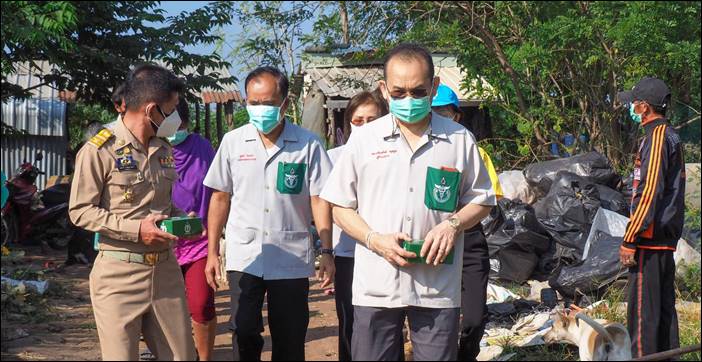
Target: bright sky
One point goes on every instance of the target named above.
(233, 31)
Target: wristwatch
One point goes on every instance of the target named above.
(454, 222)
(328, 252)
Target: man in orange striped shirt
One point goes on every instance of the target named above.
(657, 214)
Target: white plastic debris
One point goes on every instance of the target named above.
(531, 323)
(686, 254)
(514, 186)
(489, 353)
(498, 294)
(39, 287)
(607, 221)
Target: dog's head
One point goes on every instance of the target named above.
(564, 327)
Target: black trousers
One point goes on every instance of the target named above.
(288, 316)
(343, 282)
(652, 319)
(476, 268)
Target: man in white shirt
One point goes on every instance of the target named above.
(410, 175)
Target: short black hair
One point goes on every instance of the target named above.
(118, 94)
(443, 110)
(183, 110)
(409, 51)
(280, 77)
(661, 108)
(151, 83)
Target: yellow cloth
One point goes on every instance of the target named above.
(491, 170)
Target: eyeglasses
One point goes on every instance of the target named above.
(414, 93)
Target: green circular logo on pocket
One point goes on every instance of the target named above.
(442, 193)
(291, 179)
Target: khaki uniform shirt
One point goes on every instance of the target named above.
(117, 183)
(390, 186)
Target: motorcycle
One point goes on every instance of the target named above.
(31, 217)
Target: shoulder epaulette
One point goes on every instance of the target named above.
(101, 137)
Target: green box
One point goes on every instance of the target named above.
(415, 246)
(182, 226)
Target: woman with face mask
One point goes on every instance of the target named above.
(193, 155)
(363, 108)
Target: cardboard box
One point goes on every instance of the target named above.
(415, 246)
(182, 226)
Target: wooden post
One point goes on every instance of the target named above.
(219, 122)
(197, 117)
(207, 121)
(229, 115)
(331, 128)
(67, 135)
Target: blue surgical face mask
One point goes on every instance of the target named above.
(178, 137)
(264, 117)
(634, 116)
(411, 110)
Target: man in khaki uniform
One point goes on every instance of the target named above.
(121, 188)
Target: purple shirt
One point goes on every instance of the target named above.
(193, 158)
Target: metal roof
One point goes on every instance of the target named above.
(345, 82)
(30, 77)
(44, 113)
(337, 81)
(27, 77)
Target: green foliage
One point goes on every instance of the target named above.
(692, 152)
(689, 322)
(557, 66)
(689, 282)
(241, 117)
(30, 25)
(94, 43)
(81, 115)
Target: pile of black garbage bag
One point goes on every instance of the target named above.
(546, 240)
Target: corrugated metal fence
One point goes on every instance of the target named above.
(41, 119)
(19, 149)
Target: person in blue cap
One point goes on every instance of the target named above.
(476, 263)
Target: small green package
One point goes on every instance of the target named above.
(415, 246)
(182, 226)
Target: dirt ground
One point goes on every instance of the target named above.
(69, 333)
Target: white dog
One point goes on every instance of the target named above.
(597, 340)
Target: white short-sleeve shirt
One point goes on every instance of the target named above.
(344, 244)
(380, 176)
(267, 231)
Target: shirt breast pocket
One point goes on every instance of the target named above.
(441, 190)
(125, 190)
(164, 187)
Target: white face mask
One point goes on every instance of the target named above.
(354, 127)
(169, 126)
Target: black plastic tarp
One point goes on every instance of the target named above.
(518, 242)
(567, 213)
(599, 269)
(592, 165)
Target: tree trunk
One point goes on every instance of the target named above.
(493, 45)
(219, 123)
(207, 122)
(344, 17)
